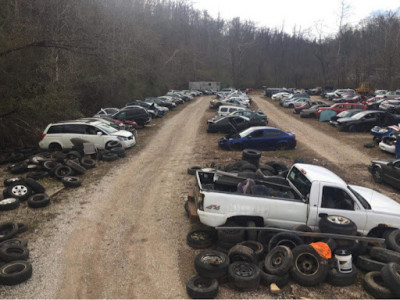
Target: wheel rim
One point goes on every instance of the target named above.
(19, 190)
(338, 220)
(212, 259)
(243, 270)
(199, 236)
(277, 259)
(307, 264)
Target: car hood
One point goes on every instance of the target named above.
(123, 133)
(379, 202)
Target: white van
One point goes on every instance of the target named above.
(225, 110)
(58, 136)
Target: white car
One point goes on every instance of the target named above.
(279, 96)
(388, 144)
(58, 136)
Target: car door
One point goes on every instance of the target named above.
(391, 174)
(72, 132)
(272, 138)
(91, 135)
(255, 140)
(334, 200)
(369, 121)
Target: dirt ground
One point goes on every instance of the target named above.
(123, 233)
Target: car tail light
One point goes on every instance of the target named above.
(389, 102)
(42, 136)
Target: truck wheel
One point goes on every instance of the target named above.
(15, 272)
(374, 286)
(391, 278)
(242, 253)
(338, 225)
(257, 247)
(201, 238)
(393, 240)
(244, 275)
(211, 264)
(384, 255)
(198, 287)
(368, 264)
(266, 279)
(309, 269)
(287, 239)
(279, 260)
(341, 279)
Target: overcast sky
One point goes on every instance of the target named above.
(302, 13)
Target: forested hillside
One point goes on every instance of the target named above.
(60, 59)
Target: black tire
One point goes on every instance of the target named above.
(50, 165)
(281, 146)
(14, 242)
(309, 269)
(18, 168)
(22, 227)
(55, 147)
(211, 264)
(201, 238)
(337, 224)
(73, 155)
(223, 246)
(88, 163)
(38, 200)
(304, 228)
(257, 247)
(71, 181)
(242, 253)
(368, 264)
(37, 175)
(266, 279)
(198, 287)
(377, 174)
(231, 235)
(279, 261)
(288, 239)
(108, 156)
(384, 255)
(391, 278)
(36, 186)
(9, 204)
(8, 230)
(112, 144)
(278, 166)
(267, 170)
(63, 171)
(10, 181)
(264, 237)
(341, 279)
(251, 235)
(76, 167)
(352, 128)
(12, 252)
(15, 272)
(244, 275)
(192, 170)
(393, 240)
(251, 154)
(186, 207)
(374, 286)
(21, 191)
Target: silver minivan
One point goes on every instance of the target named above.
(225, 110)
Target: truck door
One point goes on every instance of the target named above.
(336, 200)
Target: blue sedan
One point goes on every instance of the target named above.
(260, 138)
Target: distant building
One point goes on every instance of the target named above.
(204, 85)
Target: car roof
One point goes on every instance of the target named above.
(317, 173)
(254, 128)
(77, 121)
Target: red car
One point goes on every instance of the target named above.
(339, 107)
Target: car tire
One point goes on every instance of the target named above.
(112, 144)
(108, 156)
(88, 163)
(198, 287)
(391, 278)
(244, 275)
(15, 272)
(73, 155)
(281, 146)
(62, 171)
(76, 167)
(368, 264)
(21, 191)
(393, 240)
(14, 242)
(242, 253)
(373, 285)
(38, 200)
(266, 279)
(231, 235)
(201, 238)
(377, 174)
(18, 168)
(10, 181)
(36, 186)
(337, 224)
(10, 253)
(288, 239)
(211, 264)
(8, 230)
(337, 278)
(309, 269)
(279, 261)
(71, 181)
(384, 255)
(257, 247)
(9, 204)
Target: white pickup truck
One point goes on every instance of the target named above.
(307, 191)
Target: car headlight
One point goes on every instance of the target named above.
(122, 138)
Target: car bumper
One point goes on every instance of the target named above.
(211, 219)
(387, 148)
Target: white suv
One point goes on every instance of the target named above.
(58, 136)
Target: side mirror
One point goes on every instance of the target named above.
(99, 133)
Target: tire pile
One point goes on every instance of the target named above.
(14, 254)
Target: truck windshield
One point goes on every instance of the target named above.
(302, 184)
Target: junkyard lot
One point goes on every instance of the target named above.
(123, 234)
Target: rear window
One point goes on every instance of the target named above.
(67, 128)
(302, 184)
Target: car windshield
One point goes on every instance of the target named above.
(360, 198)
(359, 115)
(106, 128)
(302, 184)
